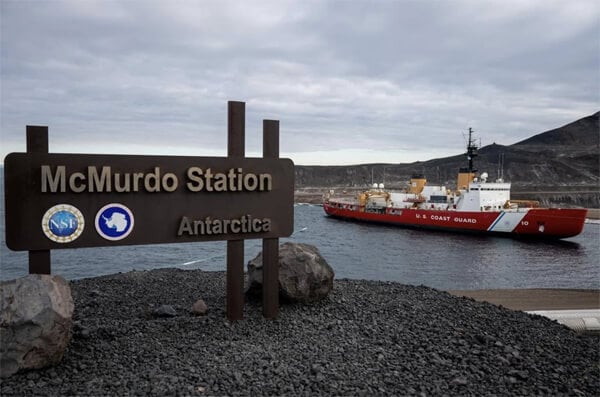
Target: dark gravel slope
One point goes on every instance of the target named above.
(367, 338)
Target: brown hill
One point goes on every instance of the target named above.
(557, 166)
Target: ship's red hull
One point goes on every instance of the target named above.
(544, 223)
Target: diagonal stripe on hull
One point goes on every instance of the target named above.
(507, 221)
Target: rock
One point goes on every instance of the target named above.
(460, 380)
(304, 275)
(164, 311)
(295, 355)
(199, 308)
(79, 331)
(523, 375)
(35, 322)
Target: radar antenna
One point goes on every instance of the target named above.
(471, 151)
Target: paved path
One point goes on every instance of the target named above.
(536, 299)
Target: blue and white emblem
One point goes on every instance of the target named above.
(114, 221)
(63, 223)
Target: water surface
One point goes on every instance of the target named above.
(362, 251)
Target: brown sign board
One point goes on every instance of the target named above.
(153, 199)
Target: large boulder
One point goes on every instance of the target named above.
(35, 322)
(304, 275)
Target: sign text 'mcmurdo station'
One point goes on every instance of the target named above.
(105, 179)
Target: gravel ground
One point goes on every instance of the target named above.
(367, 338)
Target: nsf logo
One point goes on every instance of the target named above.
(63, 223)
(114, 221)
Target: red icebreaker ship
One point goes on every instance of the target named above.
(477, 206)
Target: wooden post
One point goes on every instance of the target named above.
(236, 125)
(270, 245)
(37, 142)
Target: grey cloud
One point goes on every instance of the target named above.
(384, 76)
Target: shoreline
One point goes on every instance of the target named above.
(365, 338)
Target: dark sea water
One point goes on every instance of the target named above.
(362, 251)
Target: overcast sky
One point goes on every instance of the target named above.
(351, 82)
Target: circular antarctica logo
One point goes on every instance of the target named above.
(63, 223)
(114, 221)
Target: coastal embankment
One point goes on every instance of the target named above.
(365, 338)
(593, 213)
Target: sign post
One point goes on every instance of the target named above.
(270, 245)
(37, 142)
(58, 201)
(236, 134)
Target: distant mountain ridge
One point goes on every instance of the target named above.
(584, 131)
(561, 165)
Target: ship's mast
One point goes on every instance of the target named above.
(471, 151)
(467, 175)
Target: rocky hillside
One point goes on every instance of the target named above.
(560, 166)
